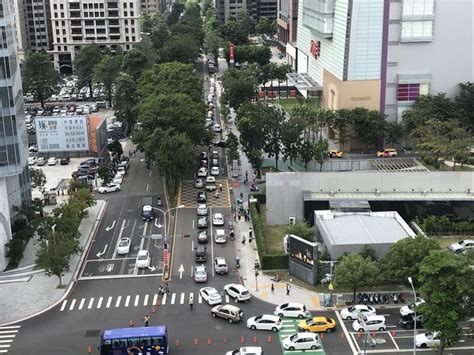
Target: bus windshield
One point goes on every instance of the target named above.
(149, 340)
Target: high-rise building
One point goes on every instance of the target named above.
(14, 173)
(108, 23)
(287, 23)
(152, 6)
(383, 54)
(255, 8)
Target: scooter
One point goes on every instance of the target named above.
(232, 234)
(237, 262)
(159, 200)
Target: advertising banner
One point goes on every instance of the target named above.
(62, 134)
(231, 53)
(302, 251)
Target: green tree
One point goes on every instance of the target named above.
(246, 22)
(368, 251)
(134, 63)
(86, 59)
(239, 86)
(125, 99)
(233, 32)
(264, 26)
(404, 258)
(176, 11)
(274, 119)
(355, 272)
(341, 125)
(291, 136)
(393, 132)
(181, 48)
(39, 76)
(306, 151)
(465, 103)
(38, 177)
(302, 230)
(320, 149)
(232, 147)
(446, 286)
(105, 72)
(368, 125)
(255, 54)
(104, 173)
(115, 148)
(212, 42)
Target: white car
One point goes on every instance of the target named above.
(215, 171)
(202, 172)
(462, 246)
(123, 247)
(118, 179)
(237, 292)
(217, 128)
(248, 350)
(202, 209)
(369, 324)
(295, 310)
(109, 188)
(219, 236)
(410, 309)
(353, 312)
(265, 322)
(143, 259)
(210, 295)
(32, 160)
(427, 340)
(52, 161)
(220, 266)
(218, 219)
(198, 184)
(200, 273)
(302, 341)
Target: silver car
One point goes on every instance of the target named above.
(200, 273)
(220, 266)
(202, 209)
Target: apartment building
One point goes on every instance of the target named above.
(152, 6)
(382, 54)
(108, 23)
(255, 8)
(14, 173)
(287, 25)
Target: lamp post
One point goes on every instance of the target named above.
(410, 280)
(164, 218)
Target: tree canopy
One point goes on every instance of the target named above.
(86, 59)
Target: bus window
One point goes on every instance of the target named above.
(116, 343)
(122, 343)
(133, 342)
(157, 340)
(145, 341)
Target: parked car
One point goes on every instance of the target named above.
(369, 323)
(218, 219)
(410, 309)
(123, 247)
(291, 309)
(200, 273)
(408, 321)
(210, 295)
(353, 312)
(220, 266)
(202, 237)
(210, 183)
(238, 292)
(265, 322)
(215, 171)
(302, 341)
(247, 350)
(333, 153)
(462, 246)
(227, 311)
(41, 161)
(317, 324)
(118, 179)
(427, 340)
(202, 209)
(217, 128)
(202, 172)
(52, 161)
(109, 188)
(32, 160)
(387, 153)
(143, 259)
(64, 161)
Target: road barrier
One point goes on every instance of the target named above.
(209, 341)
(269, 339)
(130, 323)
(178, 344)
(242, 340)
(196, 341)
(255, 340)
(89, 349)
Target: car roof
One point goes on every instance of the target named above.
(143, 252)
(210, 289)
(238, 286)
(292, 304)
(218, 214)
(200, 268)
(220, 258)
(230, 307)
(375, 317)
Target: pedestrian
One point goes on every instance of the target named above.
(191, 301)
(129, 153)
(250, 233)
(273, 288)
(220, 187)
(243, 239)
(216, 194)
(288, 288)
(238, 216)
(146, 319)
(167, 288)
(246, 175)
(160, 290)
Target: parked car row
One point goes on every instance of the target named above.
(51, 161)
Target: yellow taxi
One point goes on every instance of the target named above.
(317, 324)
(333, 153)
(387, 153)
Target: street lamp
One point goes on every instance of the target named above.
(164, 217)
(410, 280)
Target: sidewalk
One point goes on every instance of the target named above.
(27, 292)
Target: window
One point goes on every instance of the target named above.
(417, 21)
(411, 92)
(418, 8)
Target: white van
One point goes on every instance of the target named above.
(210, 183)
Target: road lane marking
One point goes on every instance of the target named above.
(91, 302)
(173, 297)
(200, 298)
(147, 187)
(81, 304)
(393, 340)
(137, 298)
(10, 327)
(63, 306)
(212, 239)
(109, 301)
(344, 329)
(163, 300)
(114, 255)
(181, 300)
(117, 303)
(72, 304)
(145, 301)
(155, 298)
(227, 298)
(6, 341)
(99, 303)
(192, 245)
(9, 332)
(127, 301)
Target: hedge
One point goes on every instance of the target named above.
(261, 198)
(270, 262)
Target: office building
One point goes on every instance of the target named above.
(151, 6)
(382, 54)
(287, 24)
(111, 24)
(255, 8)
(14, 173)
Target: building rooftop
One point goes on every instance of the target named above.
(363, 228)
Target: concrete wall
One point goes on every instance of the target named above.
(5, 227)
(285, 190)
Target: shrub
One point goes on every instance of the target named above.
(270, 262)
(15, 250)
(261, 198)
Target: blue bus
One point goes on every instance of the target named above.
(144, 340)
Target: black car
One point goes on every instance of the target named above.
(221, 143)
(203, 237)
(202, 222)
(64, 161)
(407, 321)
(203, 156)
(201, 197)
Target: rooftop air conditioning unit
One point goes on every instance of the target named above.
(291, 221)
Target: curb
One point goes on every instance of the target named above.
(73, 281)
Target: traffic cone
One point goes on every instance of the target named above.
(269, 339)
(178, 344)
(130, 323)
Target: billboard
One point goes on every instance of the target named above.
(302, 251)
(62, 134)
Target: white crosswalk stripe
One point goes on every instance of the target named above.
(146, 300)
(7, 336)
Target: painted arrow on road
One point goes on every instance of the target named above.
(103, 252)
(157, 223)
(181, 270)
(111, 227)
(152, 268)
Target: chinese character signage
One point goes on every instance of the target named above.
(62, 134)
(315, 49)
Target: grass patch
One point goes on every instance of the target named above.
(445, 242)
(444, 167)
(269, 169)
(288, 103)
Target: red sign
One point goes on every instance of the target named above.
(231, 53)
(315, 49)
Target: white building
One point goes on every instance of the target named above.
(107, 23)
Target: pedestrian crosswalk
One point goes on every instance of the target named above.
(289, 327)
(128, 301)
(7, 335)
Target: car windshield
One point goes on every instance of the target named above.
(123, 243)
(200, 272)
(142, 257)
(294, 337)
(310, 322)
(351, 309)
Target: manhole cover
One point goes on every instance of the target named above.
(92, 333)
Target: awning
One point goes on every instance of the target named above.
(302, 81)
